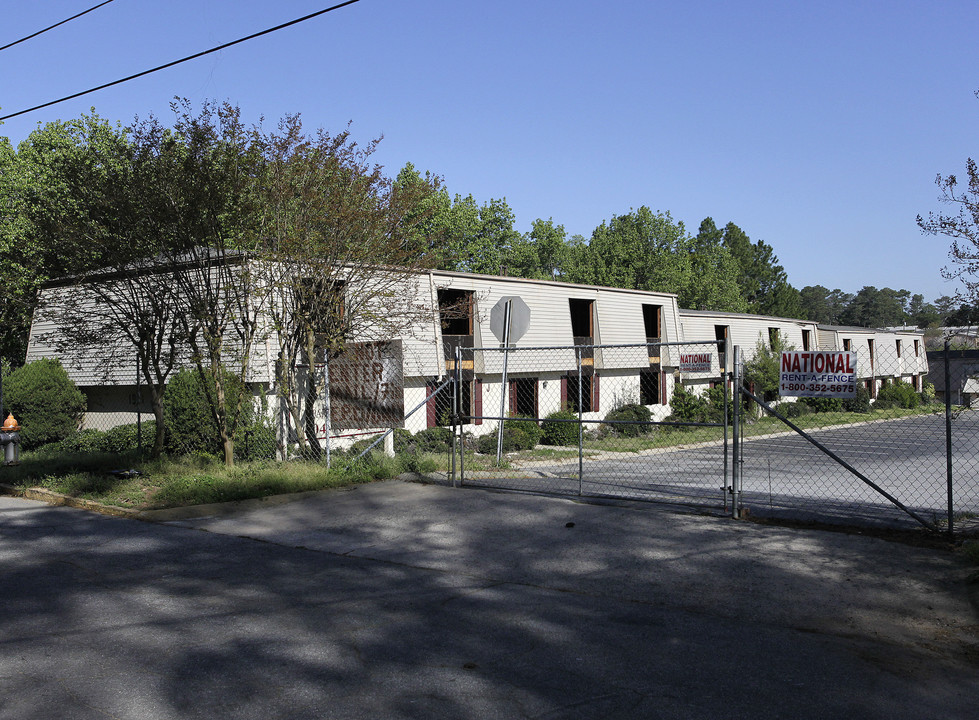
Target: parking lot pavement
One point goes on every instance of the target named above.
(400, 600)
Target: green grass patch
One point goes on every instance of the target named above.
(166, 483)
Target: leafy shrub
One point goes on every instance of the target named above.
(763, 369)
(529, 427)
(688, 406)
(514, 438)
(823, 404)
(191, 429)
(859, 403)
(560, 428)
(927, 393)
(118, 440)
(897, 394)
(126, 438)
(793, 409)
(434, 439)
(45, 402)
(715, 404)
(83, 442)
(402, 440)
(630, 413)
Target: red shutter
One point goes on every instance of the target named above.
(513, 397)
(594, 393)
(663, 400)
(477, 402)
(564, 392)
(430, 411)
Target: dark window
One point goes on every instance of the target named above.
(720, 334)
(772, 338)
(898, 343)
(652, 320)
(523, 397)
(456, 311)
(806, 339)
(470, 403)
(581, 318)
(589, 392)
(649, 387)
(846, 344)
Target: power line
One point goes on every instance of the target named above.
(73, 17)
(182, 60)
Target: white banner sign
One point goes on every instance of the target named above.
(820, 373)
(695, 362)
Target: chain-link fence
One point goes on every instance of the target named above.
(895, 451)
(595, 420)
(652, 421)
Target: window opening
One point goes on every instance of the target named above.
(523, 397)
(649, 384)
(582, 325)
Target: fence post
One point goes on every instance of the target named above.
(581, 427)
(326, 402)
(736, 439)
(948, 439)
(456, 424)
(139, 415)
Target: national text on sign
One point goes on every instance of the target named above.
(818, 374)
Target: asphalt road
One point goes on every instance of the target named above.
(787, 477)
(399, 600)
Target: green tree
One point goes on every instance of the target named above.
(762, 370)
(714, 274)
(37, 205)
(822, 305)
(762, 280)
(640, 250)
(541, 253)
(871, 307)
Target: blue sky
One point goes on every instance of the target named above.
(818, 127)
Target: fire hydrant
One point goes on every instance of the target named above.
(10, 441)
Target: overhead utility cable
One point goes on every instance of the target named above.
(182, 60)
(34, 35)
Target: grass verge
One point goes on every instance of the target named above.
(167, 483)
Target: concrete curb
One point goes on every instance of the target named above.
(53, 498)
(181, 513)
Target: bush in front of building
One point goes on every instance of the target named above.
(560, 428)
(688, 407)
(46, 403)
(433, 440)
(897, 395)
(117, 441)
(927, 393)
(823, 404)
(190, 426)
(514, 439)
(630, 414)
(519, 433)
(793, 409)
(529, 427)
(860, 402)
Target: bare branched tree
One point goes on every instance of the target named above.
(336, 256)
(961, 225)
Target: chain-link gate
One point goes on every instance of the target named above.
(642, 422)
(882, 458)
